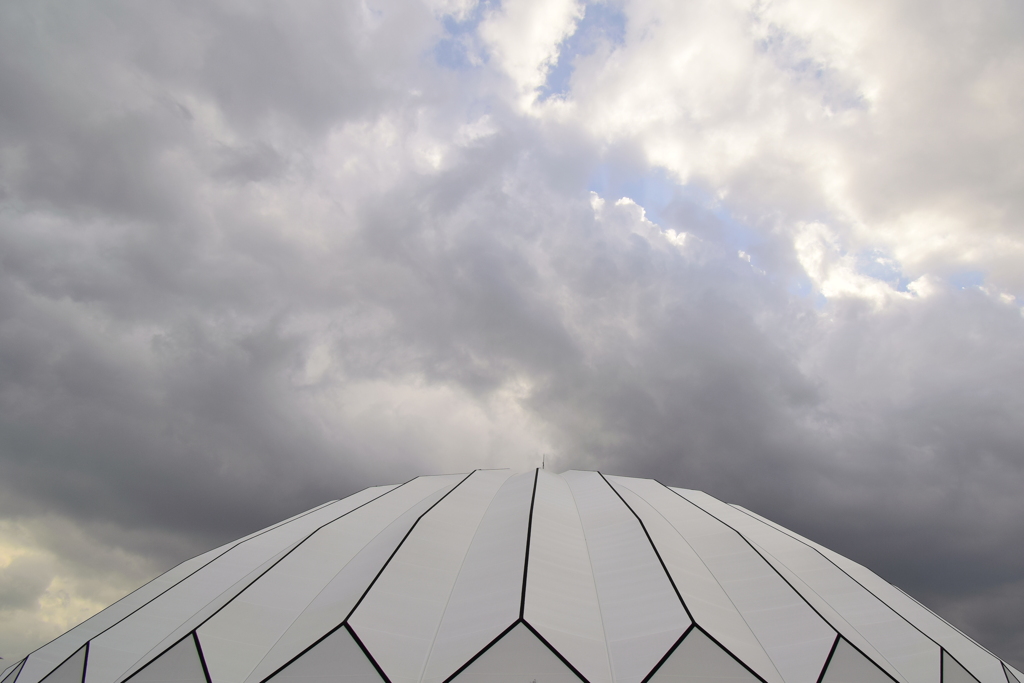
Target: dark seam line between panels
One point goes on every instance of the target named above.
(729, 652)
(908, 595)
(941, 619)
(828, 660)
(22, 666)
(827, 559)
(344, 621)
(462, 565)
(202, 657)
(557, 653)
(203, 622)
(869, 591)
(770, 565)
(366, 653)
(593, 575)
(293, 549)
(962, 666)
(942, 664)
(16, 671)
(664, 657)
(85, 661)
(791, 586)
(278, 640)
(147, 664)
(400, 544)
(62, 663)
(529, 532)
(486, 647)
(653, 547)
(182, 579)
(188, 576)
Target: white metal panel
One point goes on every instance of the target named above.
(43, 660)
(241, 634)
(335, 659)
(180, 664)
(796, 639)
(125, 646)
(519, 657)
(339, 510)
(707, 600)
(72, 670)
(642, 614)
(913, 655)
(849, 666)
(399, 617)
(107, 656)
(561, 596)
(835, 619)
(1010, 677)
(953, 672)
(11, 672)
(488, 593)
(303, 526)
(982, 663)
(337, 599)
(698, 659)
(51, 654)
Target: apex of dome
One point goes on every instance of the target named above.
(502, 576)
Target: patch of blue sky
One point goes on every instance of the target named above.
(792, 54)
(692, 208)
(735, 233)
(876, 264)
(654, 190)
(457, 50)
(967, 279)
(603, 23)
(732, 232)
(661, 198)
(802, 287)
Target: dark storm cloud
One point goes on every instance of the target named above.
(254, 257)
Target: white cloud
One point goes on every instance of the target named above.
(523, 37)
(840, 110)
(253, 257)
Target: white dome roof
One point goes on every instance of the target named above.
(537, 577)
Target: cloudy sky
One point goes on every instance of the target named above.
(259, 255)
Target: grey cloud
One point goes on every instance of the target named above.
(198, 299)
(21, 583)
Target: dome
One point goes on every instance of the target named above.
(496, 577)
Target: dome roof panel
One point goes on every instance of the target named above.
(503, 578)
(398, 619)
(487, 595)
(699, 659)
(336, 601)
(848, 665)
(561, 595)
(642, 613)
(705, 598)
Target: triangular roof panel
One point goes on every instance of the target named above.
(494, 577)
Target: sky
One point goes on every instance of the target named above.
(256, 255)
